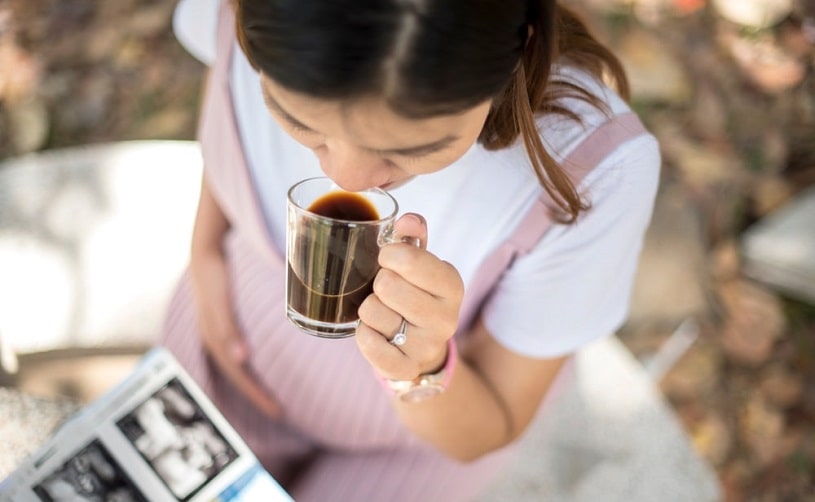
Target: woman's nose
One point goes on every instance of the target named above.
(351, 167)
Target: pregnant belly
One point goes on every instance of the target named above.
(326, 388)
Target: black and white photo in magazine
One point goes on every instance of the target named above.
(177, 440)
(91, 475)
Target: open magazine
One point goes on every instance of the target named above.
(154, 437)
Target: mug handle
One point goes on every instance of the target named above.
(389, 236)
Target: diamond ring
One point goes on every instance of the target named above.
(400, 337)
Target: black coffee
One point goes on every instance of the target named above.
(332, 267)
(347, 206)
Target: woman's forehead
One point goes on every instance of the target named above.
(364, 118)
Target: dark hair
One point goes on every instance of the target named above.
(428, 58)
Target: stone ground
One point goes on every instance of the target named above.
(728, 88)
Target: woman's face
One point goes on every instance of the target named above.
(364, 144)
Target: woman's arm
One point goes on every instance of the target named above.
(211, 225)
(220, 334)
(491, 399)
(494, 392)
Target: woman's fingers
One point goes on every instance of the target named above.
(422, 269)
(415, 286)
(379, 317)
(413, 225)
(420, 307)
(388, 359)
(222, 339)
(221, 348)
(420, 351)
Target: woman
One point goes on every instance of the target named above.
(528, 181)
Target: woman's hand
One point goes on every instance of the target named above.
(220, 334)
(415, 285)
(494, 391)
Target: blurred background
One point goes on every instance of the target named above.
(726, 85)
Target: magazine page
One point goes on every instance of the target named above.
(154, 437)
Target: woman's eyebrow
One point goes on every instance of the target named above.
(271, 103)
(423, 149)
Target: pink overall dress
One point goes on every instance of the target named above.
(339, 438)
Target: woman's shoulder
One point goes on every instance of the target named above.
(194, 25)
(570, 74)
(561, 133)
(567, 141)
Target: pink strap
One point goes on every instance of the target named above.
(601, 142)
(586, 156)
(224, 38)
(224, 160)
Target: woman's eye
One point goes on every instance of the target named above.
(301, 129)
(417, 155)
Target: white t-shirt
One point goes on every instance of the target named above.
(572, 288)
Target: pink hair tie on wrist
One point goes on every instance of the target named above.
(424, 386)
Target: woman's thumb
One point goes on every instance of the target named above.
(412, 225)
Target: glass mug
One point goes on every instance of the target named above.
(332, 253)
